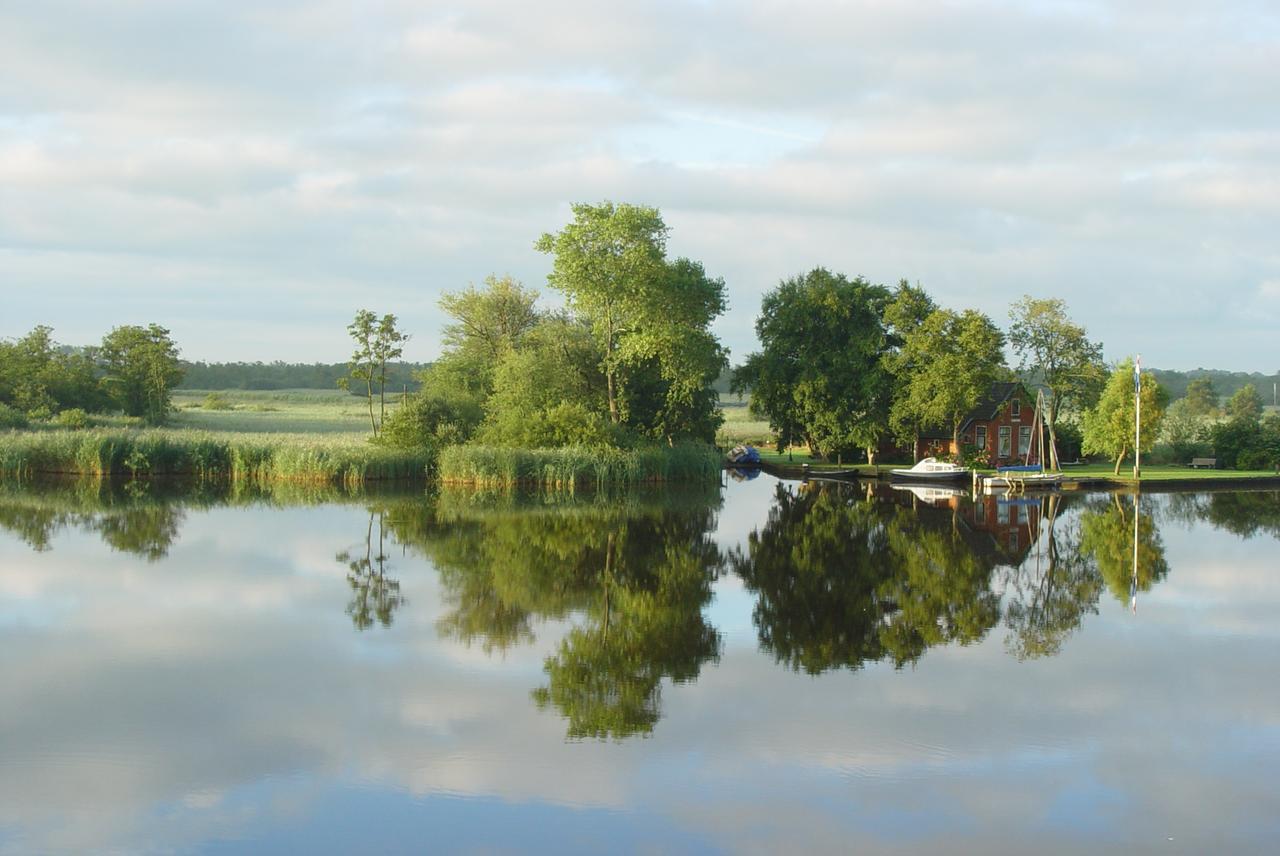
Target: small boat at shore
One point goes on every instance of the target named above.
(743, 457)
(932, 470)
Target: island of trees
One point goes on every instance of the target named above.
(621, 382)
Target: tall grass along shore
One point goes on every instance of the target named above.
(574, 467)
(238, 457)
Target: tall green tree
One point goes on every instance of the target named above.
(1109, 427)
(1245, 405)
(906, 312)
(1202, 398)
(1056, 353)
(650, 317)
(485, 323)
(609, 263)
(820, 375)
(141, 368)
(956, 356)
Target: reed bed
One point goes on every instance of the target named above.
(577, 467)
(202, 455)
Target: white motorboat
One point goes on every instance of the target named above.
(932, 470)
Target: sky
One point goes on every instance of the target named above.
(251, 174)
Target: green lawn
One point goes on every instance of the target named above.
(1164, 472)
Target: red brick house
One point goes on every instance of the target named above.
(1000, 425)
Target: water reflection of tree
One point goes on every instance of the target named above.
(842, 579)
(1242, 513)
(374, 595)
(1049, 594)
(1107, 537)
(131, 518)
(636, 577)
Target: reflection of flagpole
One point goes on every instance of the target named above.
(1137, 416)
(1133, 587)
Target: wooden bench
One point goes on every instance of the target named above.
(1205, 463)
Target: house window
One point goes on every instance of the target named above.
(1002, 513)
(1024, 515)
(980, 438)
(1015, 408)
(1024, 439)
(1013, 540)
(1006, 435)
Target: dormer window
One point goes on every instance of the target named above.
(1015, 409)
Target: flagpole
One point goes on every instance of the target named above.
(1137, 417)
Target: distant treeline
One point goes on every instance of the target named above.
(1225, 384)
(281, 375)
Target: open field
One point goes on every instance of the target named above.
(286, 411)
(740, 427)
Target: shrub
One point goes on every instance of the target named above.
(215, 401)
(43, 413)
(72, 418)
(431, 421)
(12, 417)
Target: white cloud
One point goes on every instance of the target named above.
(1106, 153)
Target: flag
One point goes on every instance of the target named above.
(1137, 375)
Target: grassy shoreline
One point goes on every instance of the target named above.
(205, 455)
(576, 467)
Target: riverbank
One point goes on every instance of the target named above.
(206, 455)
(576, 467)
(1087, 477)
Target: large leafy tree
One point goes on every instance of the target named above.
(485, 324)
(820, 375)
(38, 374)
(650, 318)
(141, 366)
(905, 313)
(955, 357)
(1056, 352)
(1109, 427)
(610, 263)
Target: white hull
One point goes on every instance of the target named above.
(931, 470)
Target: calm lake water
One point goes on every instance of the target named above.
(761, 667)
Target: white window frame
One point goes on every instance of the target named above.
(1024, 440)
(980, 437)
(1006, 438)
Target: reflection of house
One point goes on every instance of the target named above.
(1000, 425)
(1012, 522)
(1000, 528)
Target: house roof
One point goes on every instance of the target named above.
(989, 407)
(986, 410)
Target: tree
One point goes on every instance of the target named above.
(378, 341)
(1245, 405)
(1109, 427)
(608, 263)
(363, 364)
(650, 319)
(906, 312)
(141, 366)
(1202, 398)
(486, 324)
(1183, 429)
(955, 358)
(1057, 353)
(820, 374)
